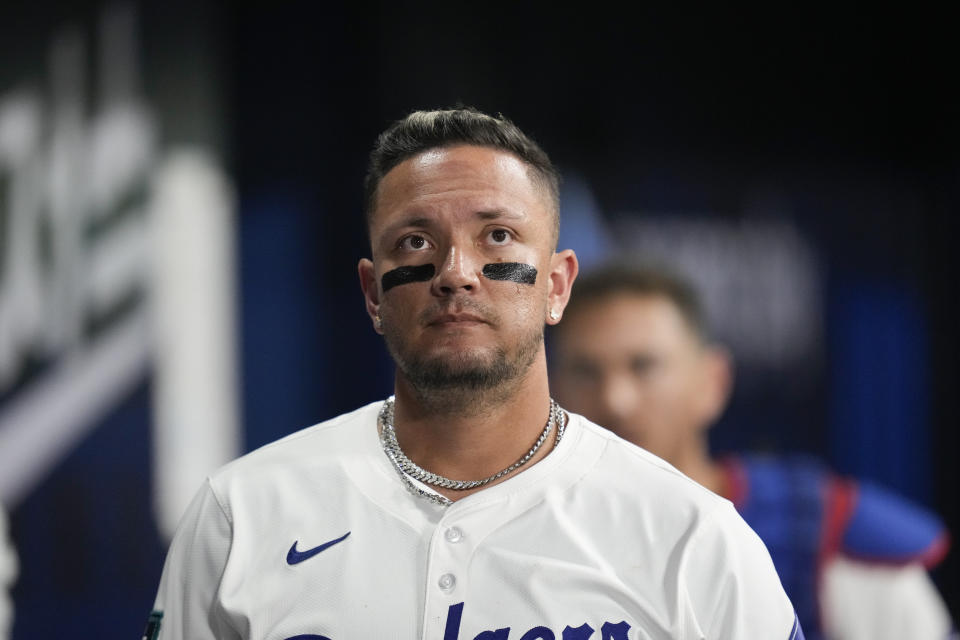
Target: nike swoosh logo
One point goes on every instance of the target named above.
(295, 557)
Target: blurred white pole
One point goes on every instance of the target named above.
(8, 575)
(193, 298)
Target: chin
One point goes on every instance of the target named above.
(469, 363)
(473, 369)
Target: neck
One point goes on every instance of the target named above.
(697, 464)
(473, 435)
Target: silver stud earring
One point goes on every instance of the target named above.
(378, 322)
(554, 315)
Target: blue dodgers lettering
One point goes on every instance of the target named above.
(406, 275)
(583, 632)
(452, 630)
(609, 630)
(513, 271)
(539, 633)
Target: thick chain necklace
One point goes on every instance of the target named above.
(408, 469)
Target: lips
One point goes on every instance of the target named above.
(455, 318)
(460, 312)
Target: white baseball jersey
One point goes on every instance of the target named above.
(315, 536)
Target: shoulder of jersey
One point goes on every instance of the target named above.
(642, 473)
(326, 441)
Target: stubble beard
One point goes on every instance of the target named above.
(464, 381)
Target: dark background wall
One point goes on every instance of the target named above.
(846, 116)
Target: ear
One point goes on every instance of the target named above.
(563, 271)
(718, 368)
(371, 291)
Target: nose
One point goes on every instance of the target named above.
(458, 272)
(619, 398)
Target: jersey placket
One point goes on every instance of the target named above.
(451, 547)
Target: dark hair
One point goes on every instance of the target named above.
(623, 278)
(424, 130)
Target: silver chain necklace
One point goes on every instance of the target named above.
(408, 469)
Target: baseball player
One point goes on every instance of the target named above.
(469, 505)
(633, 354)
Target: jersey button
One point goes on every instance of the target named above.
(453, 534)
(447, 582)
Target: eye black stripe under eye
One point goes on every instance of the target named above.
(514, 271)
(406, 275)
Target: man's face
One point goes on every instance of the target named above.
(440, 218)
(630, 363)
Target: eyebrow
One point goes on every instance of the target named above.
(414, 221)
(424, 221)
(496, 214)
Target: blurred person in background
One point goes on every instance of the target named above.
(8, 574)
(633, 354)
